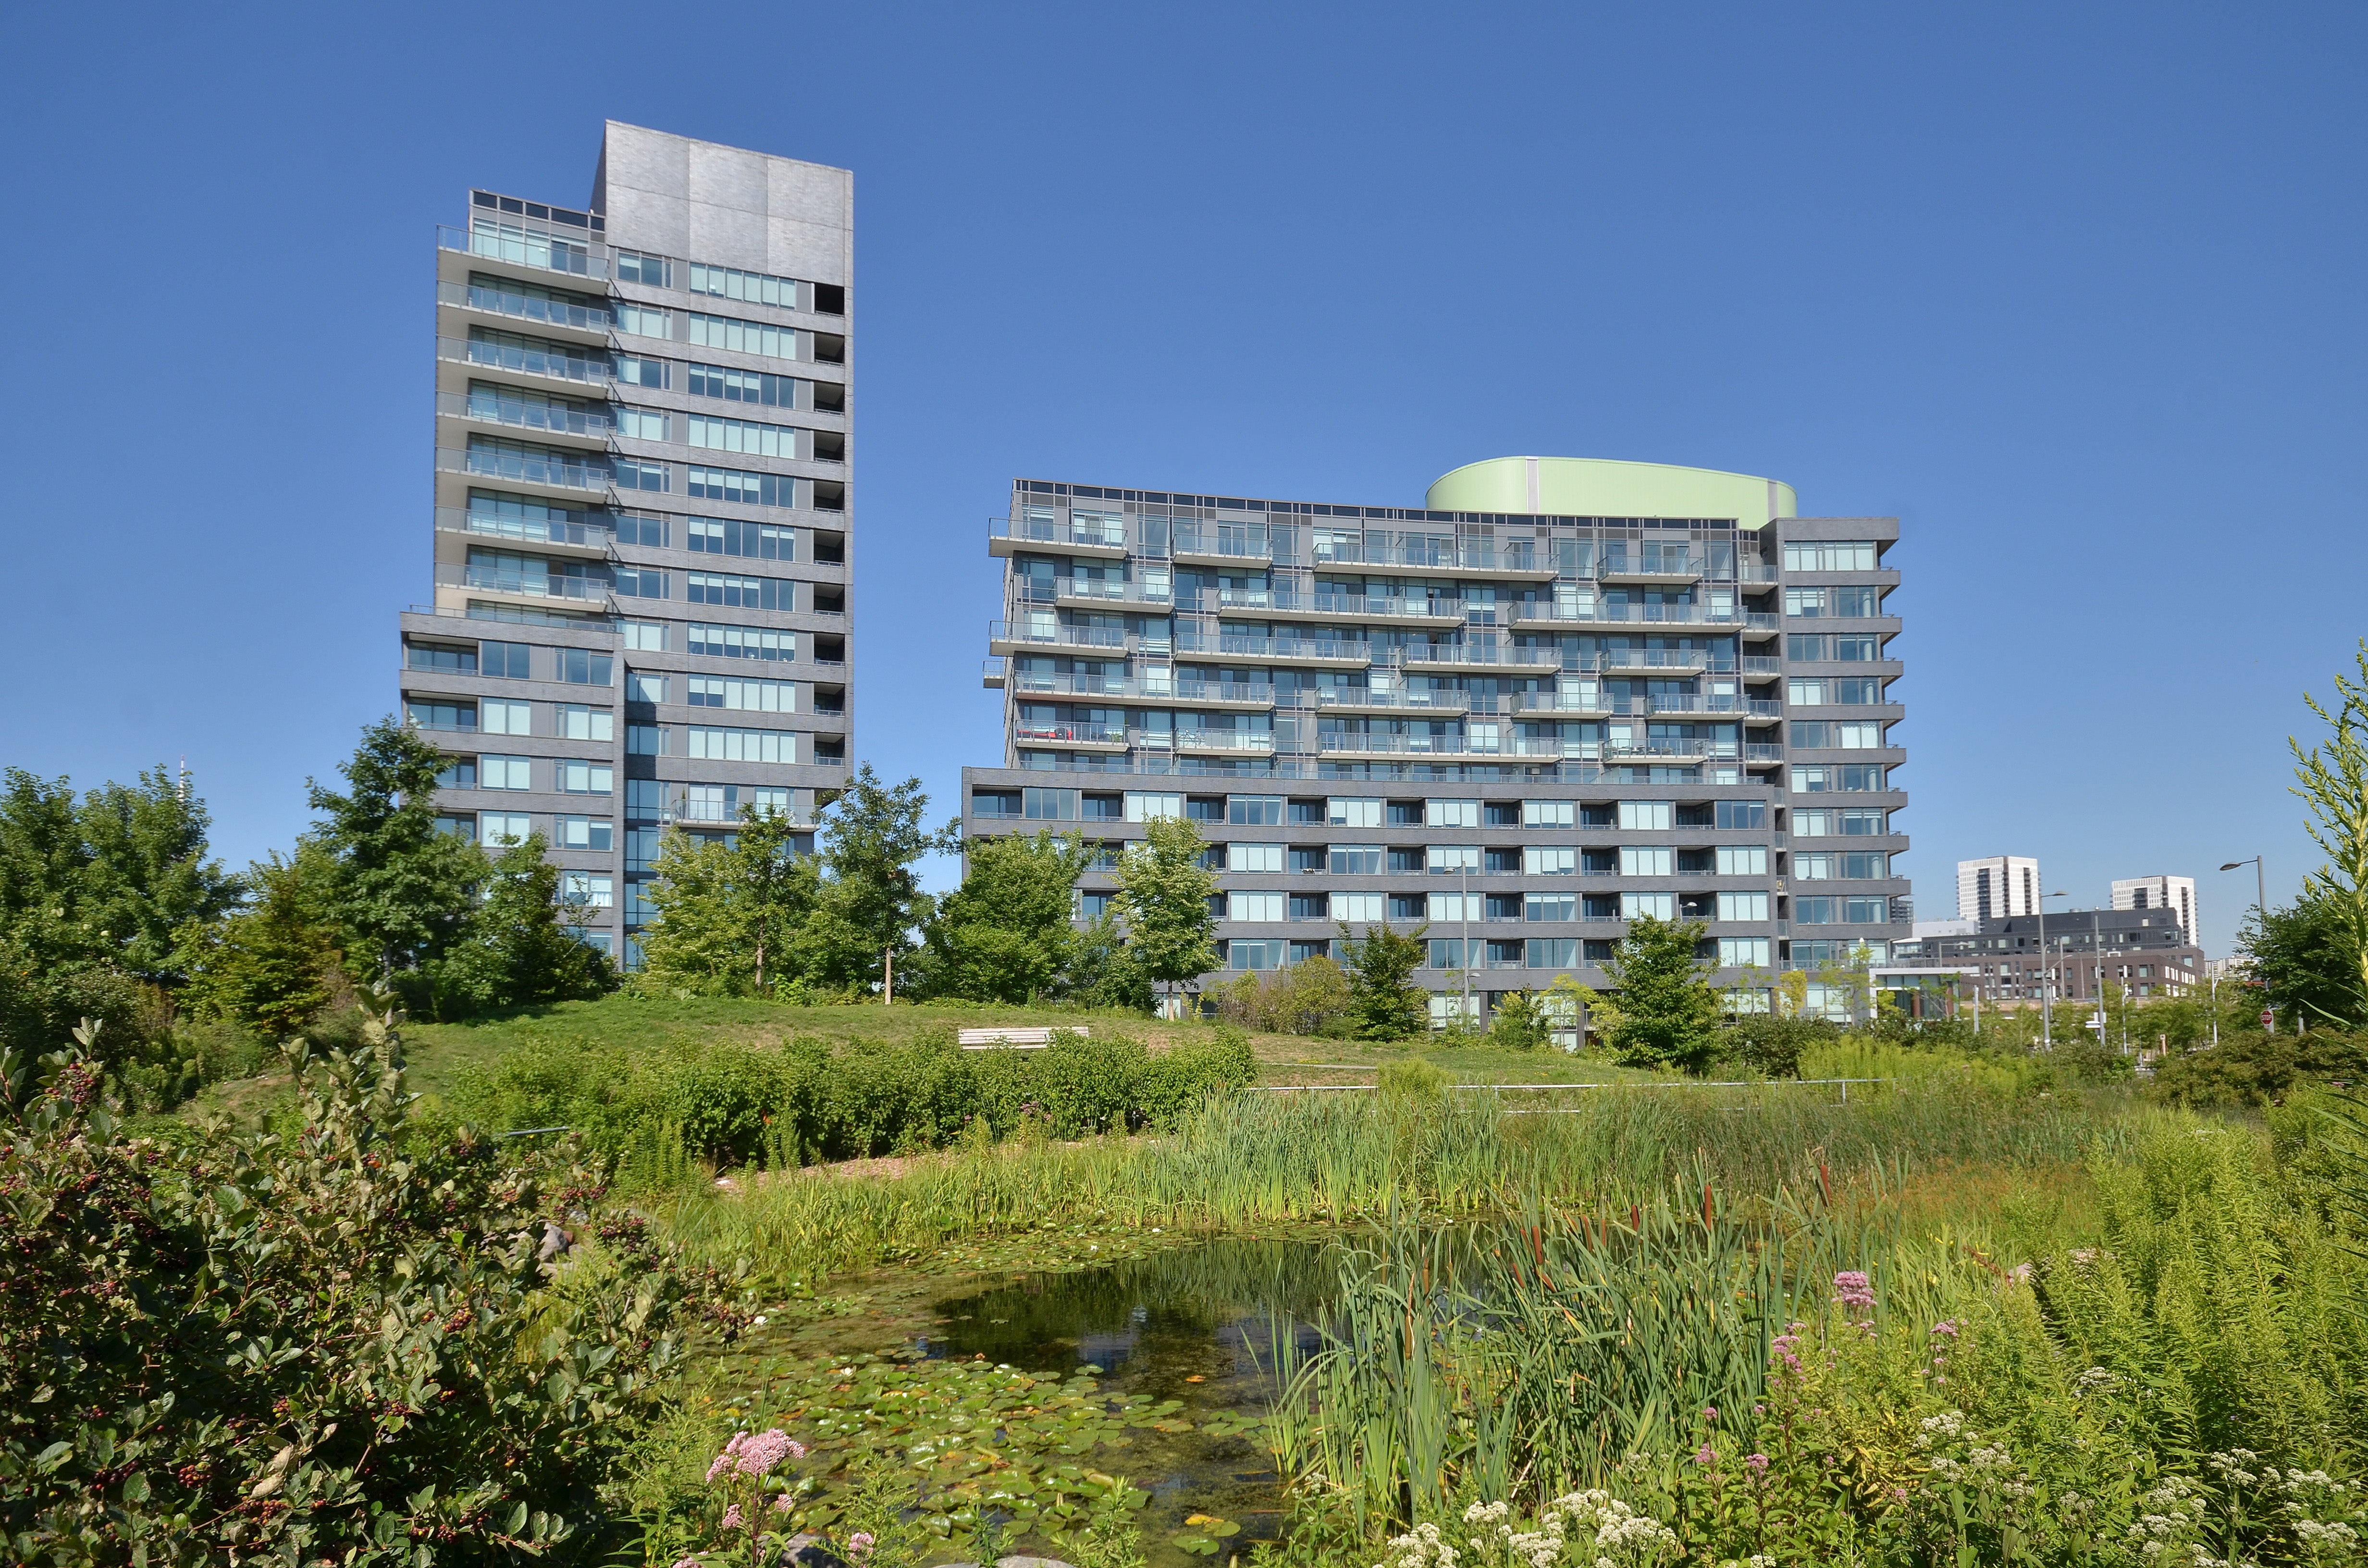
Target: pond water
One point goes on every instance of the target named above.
(1197, 1324)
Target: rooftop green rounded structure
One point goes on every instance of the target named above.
(1605, 487)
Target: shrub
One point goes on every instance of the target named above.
(1773, 1045)
(1411, 1078)
(2262, 1069)
(325, 1348)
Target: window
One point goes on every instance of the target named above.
(1549, 861)
(1852, 777)
(646, 740)
(443, 659)
(577, 722)
(1407, 906)
(744, 593)
(1637, 862)
(1094, 906)
(744, 386)
(747, 437)
(1354, 859)
(1307, 813)
(1359, 908)
(1812, 735)
(1857, 865)
(1348, 813)
(1742, 815)
(1302, 951)
(1148, 806)
(1742, 860)
(1549, 813)
(756, 287)
(644, 689)
(1657, 905)
(1645, 816)
(1805, 693)
(1446, 1008)
(740, 336)
(1858, 691)
(1501, 953)
(461, 773)
(581, 666)
(1254, 810)
(1743, 907)
(509, 661)
(585, 778)
(643, 636)
(457, 826)
(1447, 952)
(1406, 860)
(1456, 906)
(1551, 952)
(652, 270)
(714, 744)
(741, 486)
(636, 370)
(1308, 858)
(587, 890)
(1824, 911)
(1254, 857)
(729, 536)
(642, 320)
(1804, 601)
(1830, 555)
(1859, 603)
(1448, 860)
(1205, 808)
(583, 833)
(1311, 906)
(1550, 907)
(1050, 805)
(1244, 953)
(641, 423)
(740, 642)
(1254, 906)
(638, 582)
(496, 829)
(750, 696)
(505, 772)
(431, 715)
(1737, 953)
(1450, 814)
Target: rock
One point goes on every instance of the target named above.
(808, 1552)
(554, 1241)
(1031, 1562)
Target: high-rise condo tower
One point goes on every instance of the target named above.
(642, 510)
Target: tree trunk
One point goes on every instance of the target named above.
(760, 969)
(888, 978)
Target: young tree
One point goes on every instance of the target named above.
(1164, 892)
(1379, 962)
(1005, 935)
(402, 890)
(274, 966)
(1102, 971)
(869, 900)
(2303, 961)
(525, 943)
(1667, 1013)
(2333, 781)
(730, 913)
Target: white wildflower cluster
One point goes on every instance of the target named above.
(2231, 1466)
(1421, 1547)
(2096, 1379)
(2172, 1512)
(1986, 1465)
(1608, 1531)
(1756, 1560)
(1940, 1428)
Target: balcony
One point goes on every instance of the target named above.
(519, 467)
(1313, 652)
(523, 585)
(514, 244)
(1221, 743)
(594, 321)
(1072, 737)
(1008, 636)
(1663, 566)
(589, 539)
(1005, 535)
(1694, 661)
(1350, 700)
(1350, 744)
(1152, 693)
(1623, 614)
(519, 413)
(1086, 593)
(993, 673)
(1189, 547)
(1466, 561)
(1762, 665)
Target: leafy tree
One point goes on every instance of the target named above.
(1102, 971)
(1383, 1005)
(1005, 935)
(1521, 1022)
(1164, 892)
(402, 890)
(2302, 961)
(870, 902)
(119, 879)
(273, 966)
(525, 944)
(2333, 781)
(731, 911)
(1668, 1016)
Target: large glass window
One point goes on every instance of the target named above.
(581, 666)
(1638, 861)
(729, 536)
(747, 436)
(715, 744)
(737, 336)
(754, 288)
(1742, 860)
(1743, 907)
(1549, 813)
(433, 715)
(1354, 859)
(1830, 555)
(586, 778)
(733, 692)
(740, 642)
(1450, 814)
(1849, 778)
(1646, 816)
(1851, 866)
(1254, 857)
(1550, 907)
(1262, 906)
(583, 833)
(1341, 812)
(1551, 952)
(1549, 861)
(1254, 810)
(741, 592)
(442, 658)
(1738, 952)
(498, 830)
(1143, 805)
(744, 386)
(745, 488)
(578, 722)
(1640, 905)
(1355, 909)
(505, 772)
(504, 717)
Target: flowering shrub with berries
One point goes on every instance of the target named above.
(328, 1346)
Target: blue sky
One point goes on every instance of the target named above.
(2073, 291)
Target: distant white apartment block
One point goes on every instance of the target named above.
(2160, 892)
(1997, 888)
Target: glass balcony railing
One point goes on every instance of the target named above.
(1259, 742)
(531, 584)
(1657, 563)
(522, 246)
(1100, 637)
(526, 468)
(531, 308)
(1056, 531)
(524, 413)
(1073, 734)
(597, 534)
(1140, 691)
(1340, 649)
(593, 371)
(1413, 701)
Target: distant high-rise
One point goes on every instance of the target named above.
(1562, 695)
(1997, 888)
(641, 551)
(2175, 893)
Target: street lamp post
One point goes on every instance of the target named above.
(2261, 902)
(2046, 1023)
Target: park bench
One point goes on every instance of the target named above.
(1016, 1039)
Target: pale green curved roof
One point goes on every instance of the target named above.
(1603, 487)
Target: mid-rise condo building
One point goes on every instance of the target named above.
(1559, 695)
(641, 510)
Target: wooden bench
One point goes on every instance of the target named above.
(1013, 1039)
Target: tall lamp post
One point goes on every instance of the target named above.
(2261, 902)
(2046, 1025)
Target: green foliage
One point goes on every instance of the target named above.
(327, 1347)
(272, 968)
(524, 946)
(1771, 1044)
(1522, 1021)
(116, 882)
(2301, 961)
(1004, 935)
(401, 889)
(731, 911)
(1667, 1016)
(2333, 779)
(1103, 972)
(1412, 1079)
(870, 902)
(2258, 1069)
(1311, 997)
(1383, 1005)
(1163, 895)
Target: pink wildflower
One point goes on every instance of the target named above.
(723, 1461)
(687, 1562)
(1851, 1289)
(781, 1504)
(860, 1544)
(732, 1519)
(1946, 1326)
(1706, 1456)
(766, 1450)
(1759, 1463)
(1710, 1411)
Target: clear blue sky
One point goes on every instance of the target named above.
(2075, 291)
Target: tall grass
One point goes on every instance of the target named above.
(1246, 1161)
